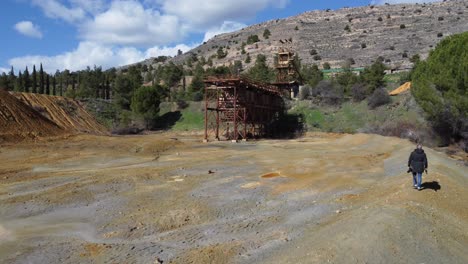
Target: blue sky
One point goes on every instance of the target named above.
(73, 34)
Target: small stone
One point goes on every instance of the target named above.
(338, 211)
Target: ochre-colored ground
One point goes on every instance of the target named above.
(168, 198)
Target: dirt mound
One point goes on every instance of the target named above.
(18, 120)
(65, 112)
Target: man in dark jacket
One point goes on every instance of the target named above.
(417, 162)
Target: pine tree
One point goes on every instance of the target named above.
(11, 79)
(107, 89)
(26, 80)
(47, 90)
(19, 85)
(41, 80)
(54, 86)
(34, 80)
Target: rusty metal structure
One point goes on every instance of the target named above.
(237, 108)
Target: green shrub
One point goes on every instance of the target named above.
(440, 86)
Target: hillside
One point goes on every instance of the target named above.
(67, 113)
(26, 115)
(396, 32)
(18, 120)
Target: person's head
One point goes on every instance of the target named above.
(419, 146)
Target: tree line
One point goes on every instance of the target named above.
(89, 83)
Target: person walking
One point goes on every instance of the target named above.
(417, 163)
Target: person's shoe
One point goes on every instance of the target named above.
(419, 188)
(415, 186)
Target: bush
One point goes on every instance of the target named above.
(347, 28)
(252, 39)
(378, 98)
(374, 75)
(329, 92)
(380, 19)
(266, 33)
(317, 57)
(402, 26)
(304, 92)
(358, 92)
(363, 45)
(440, 18)
(145, 101)
(439, 35)
(313, 52)
(439, 86)
(326, 66)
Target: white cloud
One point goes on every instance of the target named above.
(54, 9)
(227, 26)
(168, 51)
(4, 70)
(120, 32)
(382, 2)
(212, 12)
(129, 23)
(90, 6)
(27, 28)
(90, 54)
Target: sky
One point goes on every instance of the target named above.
(74, 34)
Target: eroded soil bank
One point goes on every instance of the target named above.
(167, 198)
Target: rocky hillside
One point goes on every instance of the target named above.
(396, 32)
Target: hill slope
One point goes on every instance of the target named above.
(65, 112)
(18, 120)
(396, 32)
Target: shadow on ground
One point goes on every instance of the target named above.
(287, 126)
(167, 121)
(434, 185)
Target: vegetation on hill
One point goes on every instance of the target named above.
(440, 86)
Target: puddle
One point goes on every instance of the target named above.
(271, 175)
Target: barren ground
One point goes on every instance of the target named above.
(167, 198)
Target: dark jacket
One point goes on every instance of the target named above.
(418, 161)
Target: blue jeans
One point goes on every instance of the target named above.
(417, 179)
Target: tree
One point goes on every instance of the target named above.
(374, 75)
(312, 75)
(47, 86)
(19, 86)
(197, 84)
(145, 101)
(170, 74)
(3, 81)
(248, 59)
(266, 34)
(11, 79)
(440, 86)
(237, 67)
(41, 80)
(123, 91)
(252, 39)
(26, 80)
(54, 86)
(326, 66)
(221, 53)
(260, 71)
(34, 80)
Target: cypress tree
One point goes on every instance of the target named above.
(47, 90)
(54, 86)
(34, 80)
(41, 80)
(20, 83)
(11, 79)
(26, 80)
